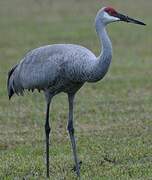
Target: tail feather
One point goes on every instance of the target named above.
(10, 82)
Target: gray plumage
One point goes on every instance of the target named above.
(57, 68)
(64, 68)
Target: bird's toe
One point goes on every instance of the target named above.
(79, 164)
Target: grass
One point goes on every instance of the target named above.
(113, 118)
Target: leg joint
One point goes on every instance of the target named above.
(70, 128)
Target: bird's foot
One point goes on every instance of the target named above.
(79, 164)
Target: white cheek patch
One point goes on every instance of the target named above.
(110, 18)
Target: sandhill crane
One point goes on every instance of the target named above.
(65, 68)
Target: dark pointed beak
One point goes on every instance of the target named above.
(128, 19)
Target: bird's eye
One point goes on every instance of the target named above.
(112, 12)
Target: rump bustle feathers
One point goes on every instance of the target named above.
(13, 82)
(10, 83)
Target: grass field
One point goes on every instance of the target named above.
(113, 118)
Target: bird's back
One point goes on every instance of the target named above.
(46, 66)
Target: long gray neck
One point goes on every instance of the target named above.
(103, 61)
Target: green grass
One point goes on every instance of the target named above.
(113, 118)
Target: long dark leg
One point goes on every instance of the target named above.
(71, 132)
(47, 132)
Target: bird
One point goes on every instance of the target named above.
(65, 68)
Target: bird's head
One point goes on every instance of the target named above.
(109, 14)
